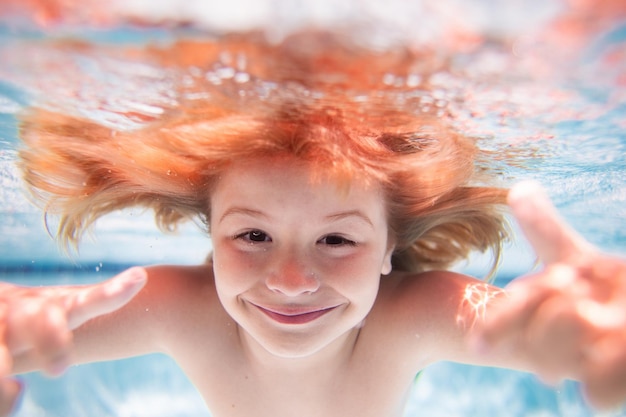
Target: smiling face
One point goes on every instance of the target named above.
(297, 263)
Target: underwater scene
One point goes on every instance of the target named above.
(540, 85)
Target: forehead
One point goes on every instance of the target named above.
(286, 180)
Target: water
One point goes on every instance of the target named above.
(554, 104)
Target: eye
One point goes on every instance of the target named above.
(336, 240)
(254, 236)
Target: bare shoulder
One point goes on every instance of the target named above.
(167, 305)
(431, 312)
(432, 287)
(434, 294)
(176, 293)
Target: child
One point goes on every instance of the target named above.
(332, 221)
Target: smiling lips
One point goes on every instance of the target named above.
(295, 317)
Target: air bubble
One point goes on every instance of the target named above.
(389, 79)
(413, 80)
(242, 77)
(242, 62)
(225, 73)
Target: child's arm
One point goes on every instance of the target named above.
(36, 324)
(569, 319)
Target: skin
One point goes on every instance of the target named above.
(302, 315)
(570, 318)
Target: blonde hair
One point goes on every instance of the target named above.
(80, 169)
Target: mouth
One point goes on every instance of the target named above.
(295, 316)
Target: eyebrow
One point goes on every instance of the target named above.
(352, 213)
(243, 211)
(332, 217)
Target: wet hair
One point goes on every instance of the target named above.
(439, 207)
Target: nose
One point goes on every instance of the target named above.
(291, 277)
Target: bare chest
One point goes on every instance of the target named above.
(235, 393)
(370, 383)
(371, 378)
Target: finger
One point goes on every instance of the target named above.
(10, 390)
(6, 361)
(52, 341)
(554, 338)
(93, 301)
(551, 237)
(605, 377)
(39, 327)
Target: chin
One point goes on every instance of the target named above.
(293, 347)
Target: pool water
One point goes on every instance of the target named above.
(558, 114)
(153, 386)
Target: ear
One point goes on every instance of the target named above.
(386, 269)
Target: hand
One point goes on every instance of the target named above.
(569, 319)
(37, 323)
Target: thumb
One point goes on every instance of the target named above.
(10, 390)
(550, 236)
(104, 298)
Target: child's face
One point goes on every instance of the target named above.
(297, 264)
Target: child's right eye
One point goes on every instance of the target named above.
(254, 236)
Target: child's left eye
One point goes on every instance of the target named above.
(335, 240)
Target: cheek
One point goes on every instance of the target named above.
(357, 278)
(233, 274)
